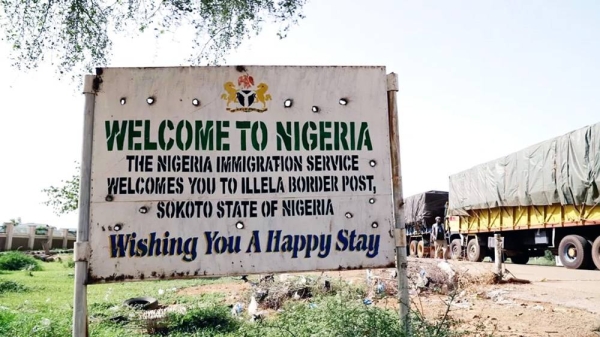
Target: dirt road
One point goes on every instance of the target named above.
(557, 285)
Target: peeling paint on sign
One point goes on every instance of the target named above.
(206, 171)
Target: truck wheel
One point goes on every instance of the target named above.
(596, 252)
(413, 248)
(474, 253)
(522, 258)
(574, 252)
(455, 249)
(420, 249)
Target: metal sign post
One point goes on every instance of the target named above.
(80, 318)
(400, 232)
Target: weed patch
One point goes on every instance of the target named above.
(70, 263)
(11, 287)
(213, 320)
(330, 316)
(6, 319)
(18, 261)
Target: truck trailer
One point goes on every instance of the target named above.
(420, 211)
(544, 197)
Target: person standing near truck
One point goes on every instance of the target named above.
(438, 236)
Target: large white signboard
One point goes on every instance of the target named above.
(213, 171)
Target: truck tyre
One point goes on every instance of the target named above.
(596, 252)
(413, 248)
(474, 253)
(574, 252)
(522, 258)
(421, 249)
(455, 249)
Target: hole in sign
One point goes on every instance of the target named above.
(195, 102)
(239, 225)
(288, 103)
(123, 101)
(150, 100)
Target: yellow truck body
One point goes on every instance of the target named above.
(524, 217)
(543, 198)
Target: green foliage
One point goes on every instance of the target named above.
(340, 316)
(11, 287)
(332, 316)
(19, 261)
(70, 263)
(64, 198)
(75, 33)
(213, 320)
(549, 256)
(41, 230)
(6, 320)
(15, 223)
(13, 323)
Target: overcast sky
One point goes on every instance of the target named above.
(477, 81)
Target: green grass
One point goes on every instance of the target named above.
(39, 303)
(47, 306)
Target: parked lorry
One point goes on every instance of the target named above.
(420, 211)
(544, 197)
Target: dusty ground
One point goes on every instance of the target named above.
(558, 302)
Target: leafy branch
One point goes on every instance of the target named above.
(75, 35)
(65, 197)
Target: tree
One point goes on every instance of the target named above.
(76, 33)
(14, 221)
(65, 197)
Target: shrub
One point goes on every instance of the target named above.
(206, 321)
(11, 287)
(18, 261)
(70, 263)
